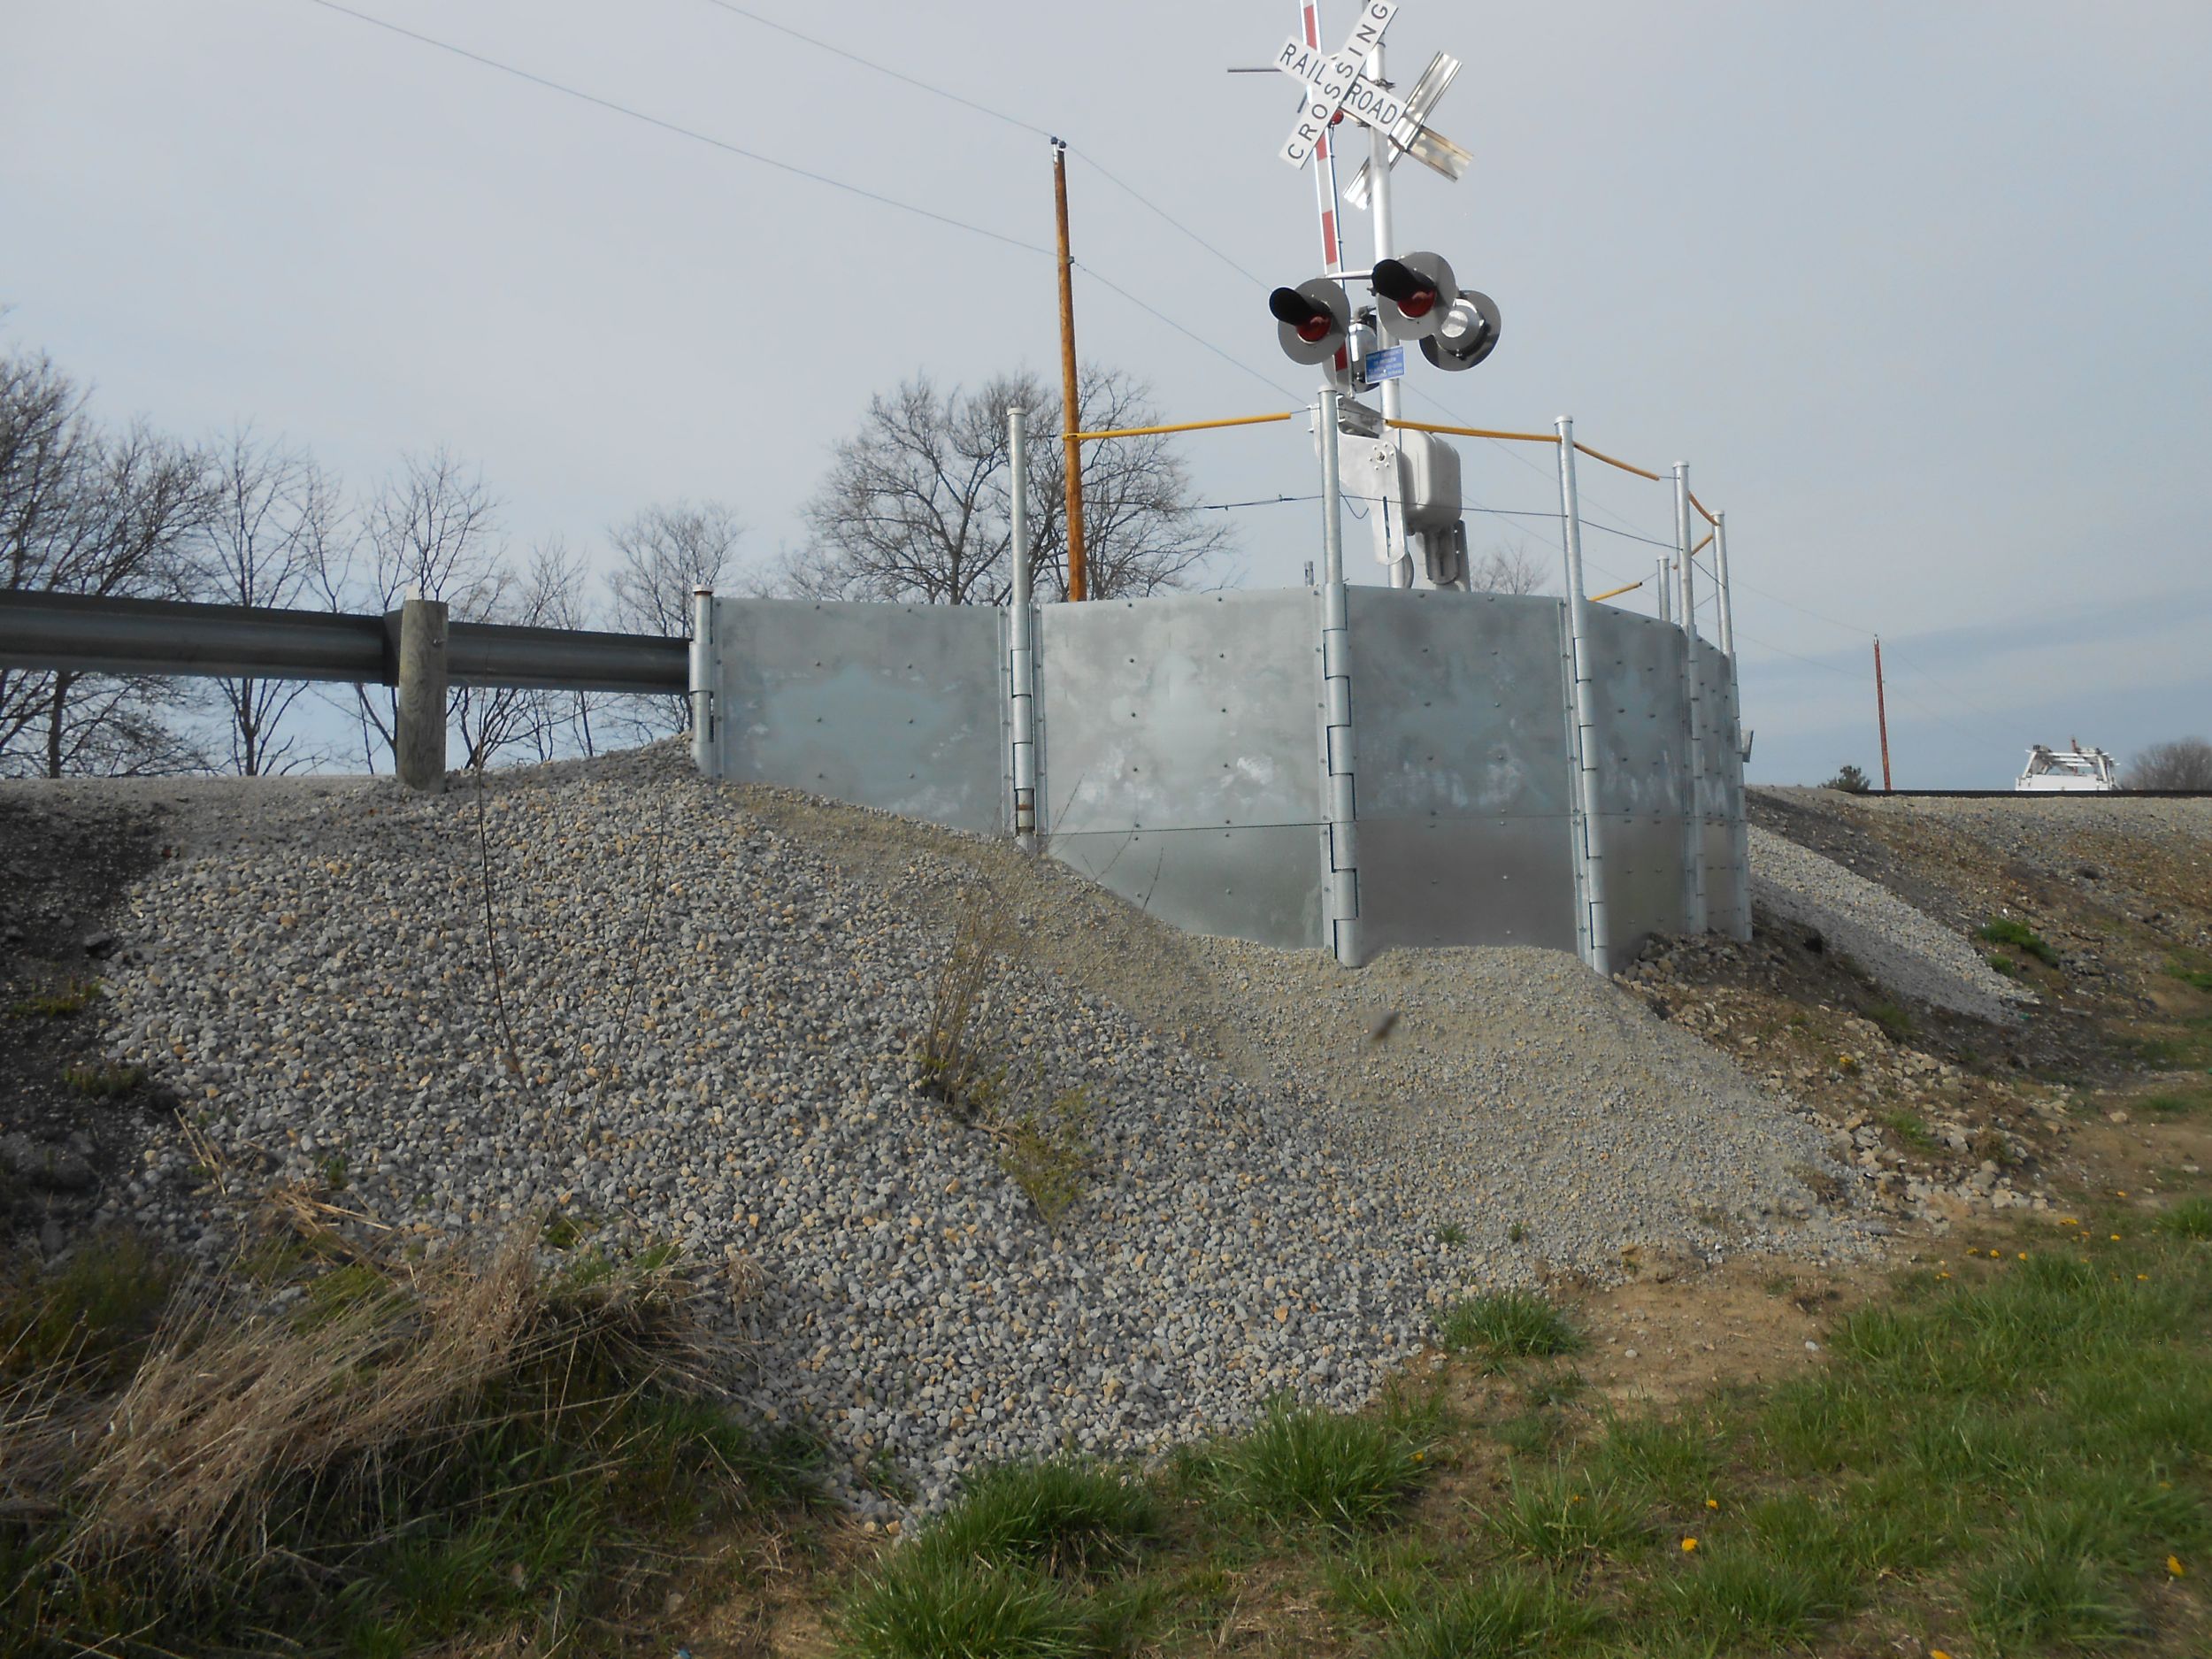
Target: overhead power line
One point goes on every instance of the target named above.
(681, 131)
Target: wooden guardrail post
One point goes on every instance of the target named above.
(418, 743)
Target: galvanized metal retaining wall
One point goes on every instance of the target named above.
(1182, 754)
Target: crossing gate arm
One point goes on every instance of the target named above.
(1475, 432)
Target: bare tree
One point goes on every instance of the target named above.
(1505, 570)
(665, 551)
(431, 530)
(493, 719)
(274, 527)
(84, 513)
(916, 506)
(2184, 763)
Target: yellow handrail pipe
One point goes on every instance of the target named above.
(1180, 426)
(1615, 593)
(1475, 432)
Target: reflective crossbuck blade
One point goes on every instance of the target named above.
(1413, 136)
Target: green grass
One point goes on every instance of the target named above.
(1506, 1324)
(1304, 1466)
(1058, 1518)
(1509, 1615)
(95, 1308)
(2021, 937)
(2196, 978)
(917, 1607)
(2190, 1219)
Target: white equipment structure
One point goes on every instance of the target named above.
(1408, 482)
(2069, 771)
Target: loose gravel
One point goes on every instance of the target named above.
(1909, 952)
(686, 1023)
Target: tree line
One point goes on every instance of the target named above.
(915, 506)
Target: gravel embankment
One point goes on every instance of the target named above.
(703, 1034)
(1908, 950)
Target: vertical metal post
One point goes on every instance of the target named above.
(702, 678)
(1739, 832)
(1340, 869)
(1881, 711)
(1021, 670)
(419, 740)
(1590, 862)
(1694, 807)
(1070, 415)
(1663, 580)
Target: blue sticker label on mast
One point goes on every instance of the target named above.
(1389, 364)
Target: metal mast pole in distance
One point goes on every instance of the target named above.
(1022, 683)
(1386, 237)
(1586, 782)
(1071, 416)
(1881, 712)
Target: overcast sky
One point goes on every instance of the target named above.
(1919, 290)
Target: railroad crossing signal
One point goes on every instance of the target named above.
(1335, 86)
(1333, 83)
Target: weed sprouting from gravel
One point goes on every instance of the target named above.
(958, 1060)
(1451, 1233)
(65, 1002)
(107, 1081)
(1047, 1153)
(1894, 1022)
(1911, 1131)
(2004, 929)
(1507, 1325)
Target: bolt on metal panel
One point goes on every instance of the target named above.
(1464, 796)
(1181, 769)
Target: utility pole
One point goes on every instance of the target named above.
(1079, 576)
(1881, 712)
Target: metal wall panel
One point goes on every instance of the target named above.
(1641, 734)
(1725, 897)
(901, 707)
(1460, 728)
(1182, 761)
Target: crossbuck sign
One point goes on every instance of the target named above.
(1333, 83)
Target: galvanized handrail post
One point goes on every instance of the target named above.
(1694, 807)
(702, 678)
(1739, 832)
(1341, 871)
(1021, 648)
(1590, 861)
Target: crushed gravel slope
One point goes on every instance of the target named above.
(701, 1027)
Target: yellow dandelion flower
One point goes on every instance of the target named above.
(2174, 1566)
(1688, 1545)
(1943, 1275)
(2068, 1221)
(1712, 1503)
(2142, 1276)
(2023, 1256)
(2116, 1237)
(1937, 1653)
